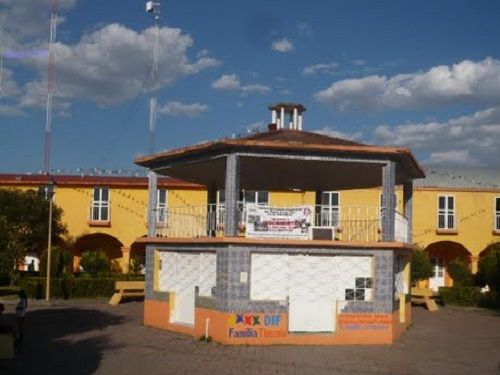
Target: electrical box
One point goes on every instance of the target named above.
(323, 233)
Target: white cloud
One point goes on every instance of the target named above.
(23, 26)
(9, 91)
(326, 130)
(466, 82)
(10, 110)
(8, 86)
(327, 68)
(282, 45)
(255, 87)
(232, 82)
(112, 65)
(466, 140)
(178, 109)
(27, 20)
(227, 82)
(452, 158)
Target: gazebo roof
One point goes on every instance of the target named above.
(286, 159)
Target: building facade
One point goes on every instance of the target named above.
(106, 213)
(456, 214)
(281, 237)
(259, 273)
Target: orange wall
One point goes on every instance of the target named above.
(351, 328)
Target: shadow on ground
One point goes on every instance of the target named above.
(50, 344)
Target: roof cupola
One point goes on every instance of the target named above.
(294, 112)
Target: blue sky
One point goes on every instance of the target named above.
(424, 75)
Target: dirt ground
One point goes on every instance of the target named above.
(83, 337)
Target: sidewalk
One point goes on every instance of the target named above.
(89, 337)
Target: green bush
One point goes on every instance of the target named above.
(489, 269)
(137, 262)
(490, 300)
(4, 280)
(460, 295)
(61, 262)
(460, 273)
(69, 286)
(95, 262)
(421, 267)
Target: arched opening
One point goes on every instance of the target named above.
(490, 247)
(31, 262)
(441, 254)
(99, 241)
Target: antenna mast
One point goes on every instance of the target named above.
(50, 86)
(1, 71)
(153, 8)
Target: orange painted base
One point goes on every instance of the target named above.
(272, 329)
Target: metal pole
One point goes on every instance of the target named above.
(49, 247)
(48, 123)
(152, 83)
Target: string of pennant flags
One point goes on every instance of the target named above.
(471, 180)
(143, 173)
(95, 172)
(480, 213)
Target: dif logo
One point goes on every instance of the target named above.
(266, 320)
(272, 320)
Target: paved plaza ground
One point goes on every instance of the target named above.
(82, 337)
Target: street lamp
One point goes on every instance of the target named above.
(49, 194)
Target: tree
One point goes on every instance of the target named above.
(489, 269)
(460, 273)
(95, 262)
(137, 263)
(24, 226)
(421, 267)
(61, 262)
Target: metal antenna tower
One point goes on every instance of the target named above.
(48, 121)
(1, 72)
(153, 8)
(50, 86)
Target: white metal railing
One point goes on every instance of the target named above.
(351, 223)
(401, 228)
(360, 223)
(161, 215)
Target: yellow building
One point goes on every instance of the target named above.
(456, 217)
(105, 212)
(456, 213)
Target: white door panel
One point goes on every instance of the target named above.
(311, 314)
(269, 277)
(437, 280)
(312, 303)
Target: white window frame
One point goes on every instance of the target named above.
(257, 193)
(99, 206)
(243, 199)
(330, 210)
(161, 207)
(446, 213)
(496, 208)
(242, 202)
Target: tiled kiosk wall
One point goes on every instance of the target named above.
(231, 317)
